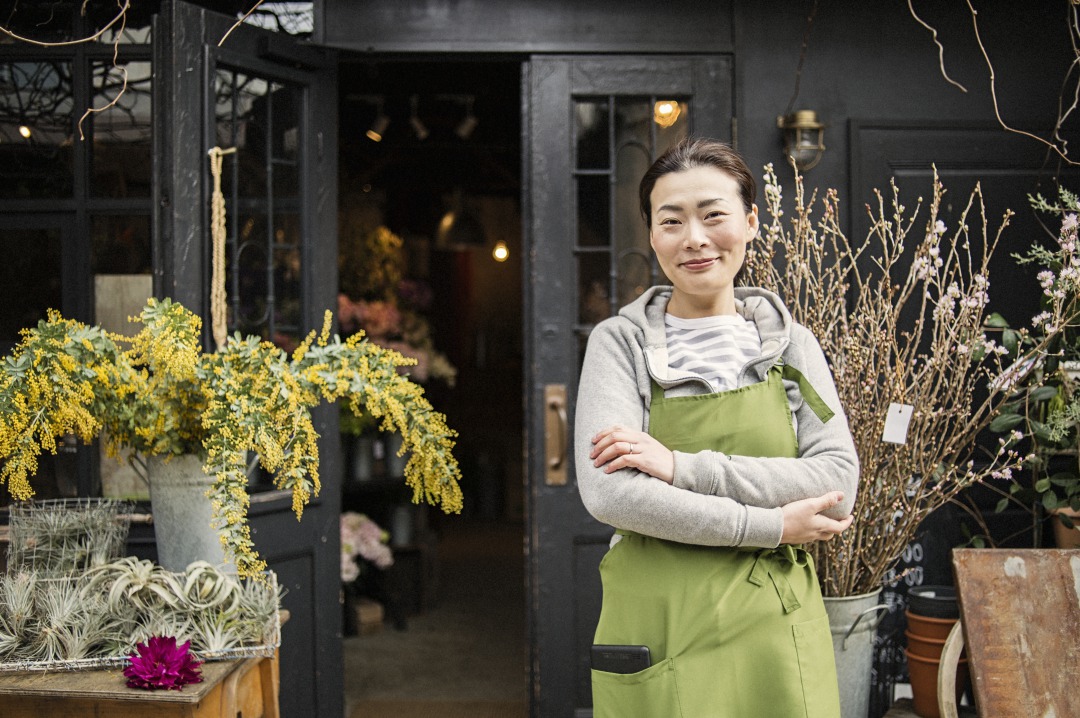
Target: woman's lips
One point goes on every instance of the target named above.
(699, 263)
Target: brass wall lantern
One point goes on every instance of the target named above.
(804, 138)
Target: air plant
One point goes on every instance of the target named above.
(61, 536)
(101, 615)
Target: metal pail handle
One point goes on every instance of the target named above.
(860, 617)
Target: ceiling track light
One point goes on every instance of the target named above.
(465, 128)
(417, 124)
(378, 127)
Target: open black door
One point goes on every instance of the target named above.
(274, 100)
(594, 124)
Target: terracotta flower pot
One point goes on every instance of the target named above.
(924, 674)
(1065, 537)
(924, 647)
(927, 627)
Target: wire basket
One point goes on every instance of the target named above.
(96, 631)
(58, 537)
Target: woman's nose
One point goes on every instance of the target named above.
(696, 236)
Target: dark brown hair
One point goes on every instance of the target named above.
(698, 152)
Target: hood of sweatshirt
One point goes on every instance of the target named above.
(759, 306)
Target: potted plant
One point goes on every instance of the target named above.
(902, 318)
(1046, 407)
(159, 394)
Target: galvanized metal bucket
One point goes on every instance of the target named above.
(182, 512)
(853, 621)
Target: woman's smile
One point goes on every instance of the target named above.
(699, 263)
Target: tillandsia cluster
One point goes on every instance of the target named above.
(901, 317)
(102, 614)
(62, 536)
(162, 395)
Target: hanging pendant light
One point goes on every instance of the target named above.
(459, 229)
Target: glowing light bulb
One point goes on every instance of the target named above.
(24, 131)
(501, 252)
(666, 112)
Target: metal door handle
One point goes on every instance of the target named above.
(556, 428)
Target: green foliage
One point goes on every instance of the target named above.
(161, 395)
(1043, 409)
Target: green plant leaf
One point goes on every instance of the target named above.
(1004, 422)
(1042, 485)
(1044, 393)
(1049, 501)
(1010, 339)
(1065, 479)
(996, 321)
(1001, 506)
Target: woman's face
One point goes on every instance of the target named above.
(699, 231)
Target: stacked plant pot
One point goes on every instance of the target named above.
(932, 612)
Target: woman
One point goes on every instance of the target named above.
(710, 435)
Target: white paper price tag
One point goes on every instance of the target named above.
(896, 423)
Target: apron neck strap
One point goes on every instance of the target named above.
(809, 394)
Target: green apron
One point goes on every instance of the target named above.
(733, 632)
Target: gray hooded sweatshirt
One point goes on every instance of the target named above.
(715, 499)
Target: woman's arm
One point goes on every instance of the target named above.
(612, 388)
(827, 460)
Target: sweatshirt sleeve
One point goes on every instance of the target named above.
(610, 393)
(827, 459)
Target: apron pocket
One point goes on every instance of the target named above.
(817, 668)
(645, 694)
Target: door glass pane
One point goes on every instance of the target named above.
(121, 244)
(120, 155)
(35, 130)
(631, 236)
(30, 285)
(287, 326)
(241, 123)
(615, 262)
(594, 277)
(261, 184)
(594, 210)
(135, 30)
(591, 131)
(246, 276)
(29, 280)
(42, 21)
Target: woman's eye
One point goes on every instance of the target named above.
(669, 221)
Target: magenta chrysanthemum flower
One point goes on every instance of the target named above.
(160, 663)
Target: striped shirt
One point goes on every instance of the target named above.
(714, 348)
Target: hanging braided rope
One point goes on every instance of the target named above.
(218, 316)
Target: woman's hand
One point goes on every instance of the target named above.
(617, 447)
(803, 521)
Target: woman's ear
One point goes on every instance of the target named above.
(752, 222)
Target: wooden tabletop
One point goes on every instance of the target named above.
(111, 684)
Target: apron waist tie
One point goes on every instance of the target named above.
(775, 564)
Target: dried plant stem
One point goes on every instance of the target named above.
(1060, 148)
(900, 316)
(941, 48)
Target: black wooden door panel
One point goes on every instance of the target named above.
(267, 96)
(594, 124)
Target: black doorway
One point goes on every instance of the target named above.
(430, 212)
